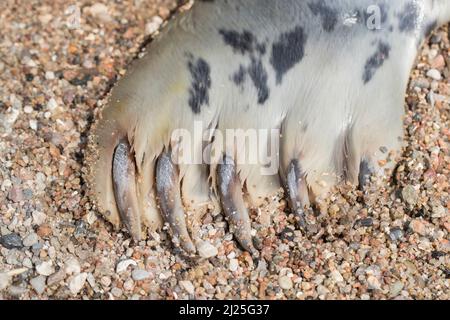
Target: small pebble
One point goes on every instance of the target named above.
(395, 234)
(56, 277)
(30, 239)
(438, 63)
(105, 281)
(38, 284)
(28, 109)
(206, 250)
(422, 83)
(439, 212)
(44, 231)
(4, 280)
(123, 265)
(395, 289)
(188, 286)
(27, 263)
(77, 283)
(100, 12)
(49, 75)
(410, 195)
(128, 285)
(72, 266)
(373, 282)
(15, 194)
(39, 217)
(434, 74)
(367, 222)
(234, 265)
(153, 25)
(139, 274)
(336, 276)
(116, 292)
(11, 241)
(285, 282)
(45, 268)
(418, 226)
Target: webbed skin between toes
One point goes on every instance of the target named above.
(312, 69)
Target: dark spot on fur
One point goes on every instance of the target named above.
(328, 15)
(261, 47)
(287, 51)
(408, 18)
(259, 77)
(200, 85)
(242, 43)
(376, 61)
(239, 76)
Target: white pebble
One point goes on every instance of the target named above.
(77, 283)
(72, 266)
(410, 195)
(285, 282)
(39, 217)
(365, 296)
(33, 124)
(373, 283)
(30, 239)
(105, 281)
(434, 74)
(439, 212)
(28, 109)
(52, 104)
(116, 292)
(139, 274)
(234, 265)
(91, 280)
(336, 276)
(153, 25)
(396, 288)
(207, 250)
(49, 75)
(188, 286)
(38, 284)
(4, 280)
(45, 268)
(232, 255)
(100, 11)
(6, 184)
(128, 285)
(27, 263)
(124, 264)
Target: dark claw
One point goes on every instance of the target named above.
(364, 174)
(297, 191)
(233, 204)
(168, 192)
(124, 183)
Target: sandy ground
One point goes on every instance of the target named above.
(391, 242)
